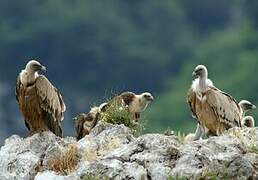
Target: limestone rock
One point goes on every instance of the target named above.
(112, 152)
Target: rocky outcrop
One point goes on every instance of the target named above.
(112, 152)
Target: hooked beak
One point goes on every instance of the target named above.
(194, 74)
(43, 68)
(253, 107)
(151, 98)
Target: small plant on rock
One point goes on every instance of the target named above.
(252, 148)
(66, 162)
(181, 137)
(118, 113)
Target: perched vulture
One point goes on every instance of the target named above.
(40, 102)
(248, 121)
(215, 110)
(245, 107)
(85, 122)
(135, 103)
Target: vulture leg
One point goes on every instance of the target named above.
(137, 116)
(199, 132)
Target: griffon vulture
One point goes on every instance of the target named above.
(245, 107)
(85, 122)
(215, 110)
(40, 102)
(135, 103)
(248, 121)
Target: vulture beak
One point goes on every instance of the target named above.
(150, 98)
(43, 68)
(253, 107)
(194, 74)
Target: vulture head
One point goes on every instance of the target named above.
(248, 121)
(144, 100)
(246, 105)
(103, 107)
(147, 97)
(200, 71)
(34, 66)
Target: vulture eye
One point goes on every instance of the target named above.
(36, 66)
(146, 95)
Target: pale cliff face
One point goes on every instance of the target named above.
(112, 151)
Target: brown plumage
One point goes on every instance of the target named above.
(127, 97)
(84, 123)
(135, 103)
(248, 121)
(215, 110)
(40, 102)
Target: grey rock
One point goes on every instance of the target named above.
(112, 152)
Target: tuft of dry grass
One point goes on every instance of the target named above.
(66, 162)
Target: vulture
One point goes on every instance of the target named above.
(40, 102)
(248, 121)
(84, 123)
(245, 107)
(215, 110)
(136, 103)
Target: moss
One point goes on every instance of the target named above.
(221, 173)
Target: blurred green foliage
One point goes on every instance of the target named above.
(92, 48)
(231, 58)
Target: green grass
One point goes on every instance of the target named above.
(216, 174)
(117, 113)
(252, 148)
